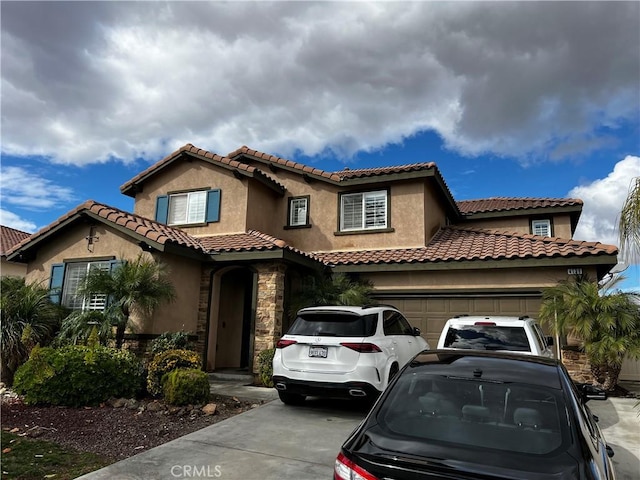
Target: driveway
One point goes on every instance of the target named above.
(274, 441)
(268, 442)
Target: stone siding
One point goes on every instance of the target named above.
(577, 365)
(269, 308)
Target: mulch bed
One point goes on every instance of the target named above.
(117, 429)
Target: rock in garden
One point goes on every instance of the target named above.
(209, 409)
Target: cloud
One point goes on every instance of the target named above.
(86, 82)
(603, 199)
(23, 189)
(10, 219)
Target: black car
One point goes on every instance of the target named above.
(479, 415)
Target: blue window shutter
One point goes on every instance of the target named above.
(213, 206)
(55, 283)
(162, 208)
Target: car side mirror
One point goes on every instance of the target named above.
(591, 392)
(416, 332)
(550, 341)
(610, 452)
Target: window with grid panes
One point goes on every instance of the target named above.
(185, 208)
(362, 211)
(541, 227)
(298, 211)
(74, 276)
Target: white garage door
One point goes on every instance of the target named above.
(429, 314)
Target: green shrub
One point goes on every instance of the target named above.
(265, 366)
(185, 386)
(165, 362)
(170, 341)
(77, 375)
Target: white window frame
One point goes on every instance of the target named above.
(195, 210)
(538, 225)
(298, 211)
(367, 208)
(74, 275)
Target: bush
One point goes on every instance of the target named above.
(77, 375)
(185, 386)
(170, 341)
(165, 362)
(265, 366)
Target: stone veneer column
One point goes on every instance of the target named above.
(269, 308)
(203, 319)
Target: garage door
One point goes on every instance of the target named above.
(429, 314)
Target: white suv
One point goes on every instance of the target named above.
(513, 334)
(343, 352)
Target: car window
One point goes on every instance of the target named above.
(541, 338)
(406, 327)
(392, 324)
(334, 325)
(487, 337)
(510, 417)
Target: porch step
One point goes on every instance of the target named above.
(231, 376)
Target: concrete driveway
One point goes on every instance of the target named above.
(272, 441)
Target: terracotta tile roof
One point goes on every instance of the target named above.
(244, 150)
(154, 231)
(497, 204)
(9, 237)
(252, 240)
(453, 244)
(371, 172)
(189, 148)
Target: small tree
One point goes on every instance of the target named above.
(332, 290)
(138, 286)
(28, 318)
(608, 324)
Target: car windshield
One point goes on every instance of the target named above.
(334, 324)
(487, 337)
(473, 413)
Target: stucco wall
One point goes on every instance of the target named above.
(197, 174)
(12, 269)
(561, 224)
(185, 274)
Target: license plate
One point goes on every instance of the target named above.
(318, 352)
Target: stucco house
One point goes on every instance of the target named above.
(241, 232)
(9, 237)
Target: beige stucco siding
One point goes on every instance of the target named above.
(12, 269)
(194, 175)
(264, 210)
(111, 243)
(434, 215)
(561, 224)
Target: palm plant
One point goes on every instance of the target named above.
(332, 290)
(629, 224)
(608, 323)
(78, 326)
(138, 286)
(28, 318)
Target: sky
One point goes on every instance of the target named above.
(509, 99)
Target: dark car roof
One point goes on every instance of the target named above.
(489, 366)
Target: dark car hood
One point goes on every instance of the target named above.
(385, 454)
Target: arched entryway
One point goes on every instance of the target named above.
(232, 321)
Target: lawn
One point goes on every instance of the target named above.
(26, 458)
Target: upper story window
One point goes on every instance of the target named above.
(541, 227)
(186, 208)
(298, 211)
(363, 211)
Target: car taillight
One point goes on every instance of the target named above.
(345, 469)
(362, 347)
(487, 324)
(285, 343)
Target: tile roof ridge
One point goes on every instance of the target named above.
(385, 167)
(269, 238)
(483, 199)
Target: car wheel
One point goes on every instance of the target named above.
(291, 398)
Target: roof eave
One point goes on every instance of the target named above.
(522, 212)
